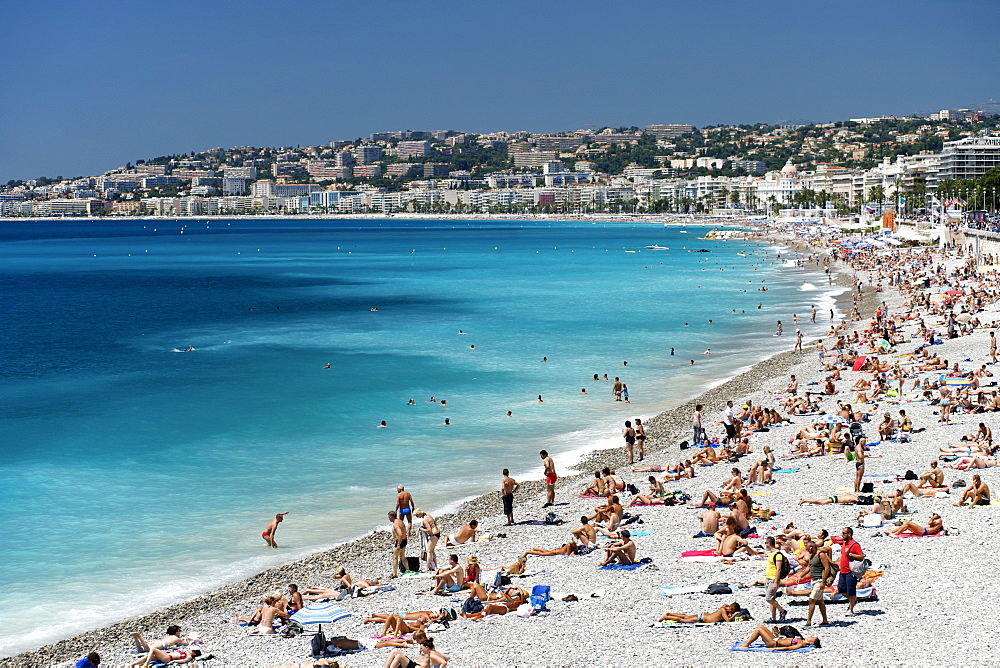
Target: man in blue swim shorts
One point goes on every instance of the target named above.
(405, 507)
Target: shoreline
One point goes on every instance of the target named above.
(664, 429)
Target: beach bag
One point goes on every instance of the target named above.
(552, 518)
(684, 445)
(871, 521)
(719, 588)
(910, 475)
(318, 644)
(859, 568)
(413, 564)
(742, 616)
(784, 568)
(958, 483)
(501, 580)
(293, 629)
(867, 488)
(632, 489)
(789, 632)
(472, 605)
(864, 500)
(539, 597)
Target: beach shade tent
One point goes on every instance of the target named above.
(952, 292)
(320, 613)
(828, 418)
(963, 317)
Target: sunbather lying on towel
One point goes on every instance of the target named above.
(418, 637)
(168, 656)
(723, 614)
(567, 549)
(467, 534)
(840, 498)
(172, 638)
(776, 642)
(935, 526)
(511, 599)
(655, 495)
(428, 657)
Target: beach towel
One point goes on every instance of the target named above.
(761, 647)
(907, 534)
(830, 594)
(677, 591)
(620, 567)
(782, 471)
(636, 502)
(590, 496)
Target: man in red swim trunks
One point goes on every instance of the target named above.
(268, 533)
(550, 479)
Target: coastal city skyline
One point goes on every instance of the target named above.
(188, 85)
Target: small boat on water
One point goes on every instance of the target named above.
(656, 247)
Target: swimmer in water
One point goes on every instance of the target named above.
(446, 423)
(382, 425)
(595, 377)
(189, 349)
(583, 390)
(411, 403)
(509, 414)
(328, 366)
(444, 402)
(545, 359)
(605, 376)
(472, 347)
(539, 398)
(692, 363)
(708, 351)
(432, 400)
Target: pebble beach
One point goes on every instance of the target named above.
(930, 588)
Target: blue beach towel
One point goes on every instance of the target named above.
(761, 647)
(783, 470)
(620, 567)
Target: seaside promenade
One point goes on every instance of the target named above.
(926, 586)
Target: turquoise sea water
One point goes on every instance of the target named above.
(135, 476)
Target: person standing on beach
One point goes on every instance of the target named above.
(798, 341)
(430, 533)
(399, 543)
(507, 488)
(699, 432)
(821, 572)
(629, 435)
(616, 389)
(847, 582)
(773, 574)
(404, 507)
(729, 422)
(640, 438)
(993, 346)
(857, 453)
(550, 479)
(271, 528)
(812, 318)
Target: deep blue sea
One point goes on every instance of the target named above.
(135, 475)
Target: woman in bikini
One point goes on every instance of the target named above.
(428, 657)
(723, 614)
(167, 656)
(429, 530)
(773, 639)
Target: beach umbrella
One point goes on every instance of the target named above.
(828, 418)
(320, 613)
(963, 317)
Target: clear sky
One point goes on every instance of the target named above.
(90, 86)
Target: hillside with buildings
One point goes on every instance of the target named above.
(738, 170)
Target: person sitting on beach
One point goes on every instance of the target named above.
(428, 657)
(612, 481)
(710, 519)
(723, 614)
(722, 499)
(448, 578)
(167, 656)
(706, 456)
(294, 601)
(731, 544)
(887, 427)
(607, 516)
(567, 549)
(761, 471)
(466, 534)
(596, 488)
(621, 551)
(655, 496)
(344, 585)
(472, 571)
(934, 527)
(170, 639)
(499, 604)
(932, 478)
(776, 642)
(585, 534)
(263, 617)
(978, 493)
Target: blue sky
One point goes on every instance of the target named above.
(90, 86)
